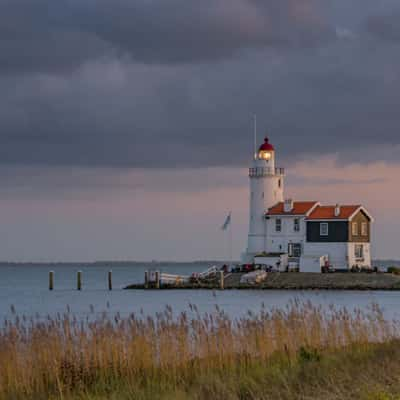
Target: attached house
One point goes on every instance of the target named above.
(312, 235)
(286, 227)
(343, 233)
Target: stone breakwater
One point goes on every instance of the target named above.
(335, 281)
(302, 281)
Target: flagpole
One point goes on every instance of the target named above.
(255, 136)
(230, 243)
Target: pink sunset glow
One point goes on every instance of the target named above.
(177, 214)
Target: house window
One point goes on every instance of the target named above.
(323, 229)
(364, 229)
(296, 225)
(359, 251)
(278, 225)
(294, 249)
(354, 229)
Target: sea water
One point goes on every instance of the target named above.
(24, 291)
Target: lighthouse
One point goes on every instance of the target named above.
(306, 236)
(266, 190)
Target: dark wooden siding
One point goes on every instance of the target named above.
(360, 218)
(338, 231)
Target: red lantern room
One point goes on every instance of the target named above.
(265, 151)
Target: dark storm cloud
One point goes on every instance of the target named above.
(385, 27)
(185, 31)
(321, 182)
(154, 84)
(47, 35)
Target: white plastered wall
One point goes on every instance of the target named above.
(278, 241)
(337, 252)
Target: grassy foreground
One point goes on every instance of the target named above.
(301, 352)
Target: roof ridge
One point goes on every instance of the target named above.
(302, 207)
(341, 205)
(328, 211)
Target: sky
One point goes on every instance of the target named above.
(126, 126)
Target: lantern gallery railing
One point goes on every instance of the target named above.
(264, 171)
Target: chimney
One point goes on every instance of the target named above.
(337, 210)
(288, 206)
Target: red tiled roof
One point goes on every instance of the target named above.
(328, 212)
(299, 208)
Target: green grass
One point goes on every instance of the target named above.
(358, 372)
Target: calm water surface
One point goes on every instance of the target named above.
(25, 288)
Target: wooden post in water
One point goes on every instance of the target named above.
(146, 279)
(51, 280)
(158, 279)
(79, 280)
(221, 280)
(110, 280)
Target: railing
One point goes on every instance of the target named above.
(208, 272)
(173, 279)
(266, 171)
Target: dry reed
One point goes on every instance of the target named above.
(62, 356)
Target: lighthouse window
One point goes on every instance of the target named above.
(279, 183)
(264, 155)
(323, 229)
(278, 225)
(296, 225)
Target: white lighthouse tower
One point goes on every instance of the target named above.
(266, 190)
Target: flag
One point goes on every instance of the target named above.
(227, 222)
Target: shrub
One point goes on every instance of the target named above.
(394, 270)
(308, 354)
